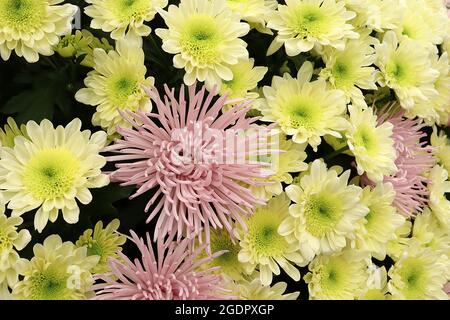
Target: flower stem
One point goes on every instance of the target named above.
(335, 153)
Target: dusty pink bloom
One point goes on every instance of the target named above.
(414, 161)
(447, 288)
(170, 272)
(183, 152)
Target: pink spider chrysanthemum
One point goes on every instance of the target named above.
(414, 161)
(193, 160)
(170, 272)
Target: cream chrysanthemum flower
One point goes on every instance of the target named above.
(396, 247)
(263, 248)
(228, 263)
(52, 169)
(341, 276)
(255, 12)
(422, 22)
(253, 289)
(123, 17)
(378, 227)
(406, 68)
(289, 160)
(11, 241)
(371, 144)
(117, 84)
(204, 36)
(245, 78)
(436, 109)
(350, 70)
(375, 14)
(33, 27)
(103, 242)
(306, 110)
(325, 212)
(419, 274)
(441, 148)
(10, 132)
(301, 25)
(58, 271)
(439, 186)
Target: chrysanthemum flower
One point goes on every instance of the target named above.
(204, 36)
(441, 148)
(123, 18)
(253, 289)
(263, 248)
(379, 225)
(58, 271)
(245, 78)
(227, 262)
(423, 22)
(102, 242)
(406, 68)
(436, 109)
(289, 160)
(375, 14)
(301, 25)
(439, 185)
(414, 160)
(254, 12)
(371, 143)
(340, 276)
(419, 274)
(307, 110)
(10, 132)
(349, 70)
(11, 241)
(188, 155)
(116, 84)
(81, 44)
(52, 169)
(33, 27)
(168, 272)
(325, 212)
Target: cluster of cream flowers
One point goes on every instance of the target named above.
(361, 84)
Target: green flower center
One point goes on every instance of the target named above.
(124, 91)
(263, 235)
(129, 10)
(322, 213)
(201, 39)
(309, 20)
(399, 72)
(302, 113)
(413, 275)
(5, 242)
(22, 15)
(50, 173)
(366, 138)
(343, 74)
(332, 277)
(94, 248)
(49, 284)
(220, 240)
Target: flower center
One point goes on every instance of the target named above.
(221, 241)
(201, 39)
(22, 15)
(365, 138)
(127, 10)
(309, 21)
(302, 113)
(263, 234)
(94, 248)
(342, 74)
(332, 277)
(414, 277)
(122, 89)
(322, 213)
(5, 242)
(50, 173)
(49, 284)
(399, 72)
